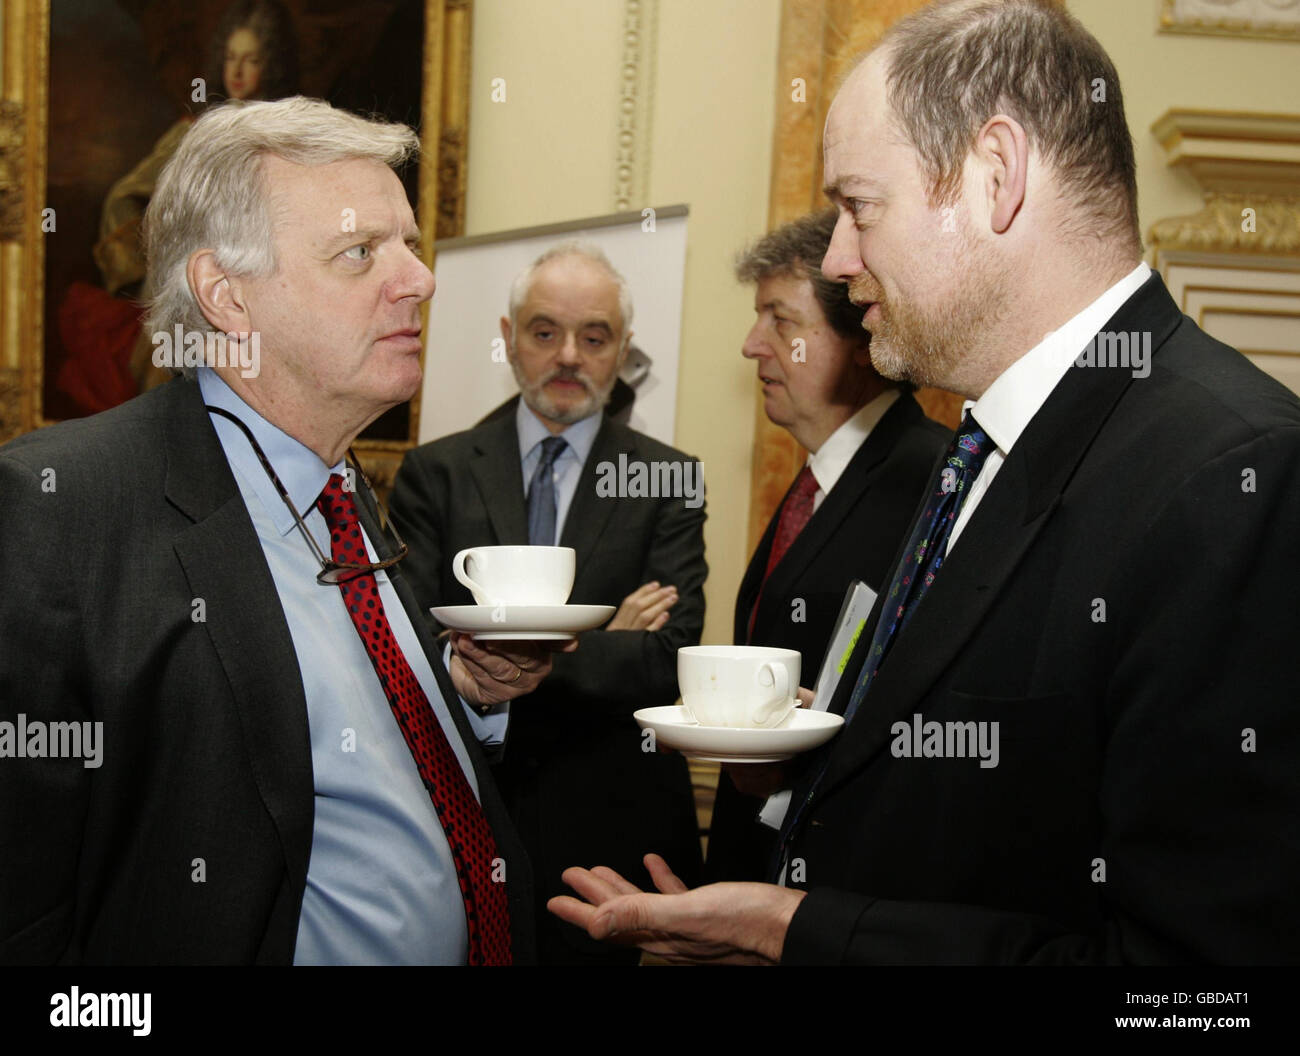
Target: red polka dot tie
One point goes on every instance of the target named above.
(487, 912)
(796, 512)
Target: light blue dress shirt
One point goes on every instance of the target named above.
(567, 468)
(381, 882)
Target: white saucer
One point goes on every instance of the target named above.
(725, 744)
(522, 622)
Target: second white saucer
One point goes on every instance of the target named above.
(803, 731)
(522, 622)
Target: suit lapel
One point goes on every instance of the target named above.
(1018, 504)
(500, 480)
(753, 578)
(851, 489)
(223, 563)
(589, 513)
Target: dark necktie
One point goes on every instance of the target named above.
(796, 512)
(541, 494)
(916, 570)
(926, 549)
(473, 847)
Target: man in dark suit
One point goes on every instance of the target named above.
(871, 450)
(1057, 717)
(579, 785)
(284, 769)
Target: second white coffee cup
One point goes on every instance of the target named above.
(738, 685)
(516, 575)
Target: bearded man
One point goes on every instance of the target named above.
(574, 775)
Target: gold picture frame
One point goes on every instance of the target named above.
(1237, 18)
(24, 162)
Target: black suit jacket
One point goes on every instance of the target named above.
(579, 786)
(206, 744)
(853, 535)
(1123, 604)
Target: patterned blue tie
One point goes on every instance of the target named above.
(927, 547)
(541, 494)
(912, 578)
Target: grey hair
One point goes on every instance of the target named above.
(212, 192)
(796, 249)
(523, 283)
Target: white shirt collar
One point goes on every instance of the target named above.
(829, 461)
(1018, 393)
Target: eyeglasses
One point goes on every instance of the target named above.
(332, 571)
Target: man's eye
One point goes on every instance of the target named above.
(595, 340)
(780, 320)
(542, 335)
(359, 253)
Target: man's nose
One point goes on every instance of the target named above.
(754, 346)
(569, 348)
(843, 258)
(416, 280)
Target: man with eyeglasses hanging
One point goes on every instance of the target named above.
(290, 768)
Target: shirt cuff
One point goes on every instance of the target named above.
(490, 724)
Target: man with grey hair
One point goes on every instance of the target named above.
(1071, 727)
(291, 769)
(550, 471)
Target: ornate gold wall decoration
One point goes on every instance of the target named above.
(636, 103)
(11, 170)
(1234, 265)
(1218, 227)
(1261, 19)
(10, 403)
(1248, 167)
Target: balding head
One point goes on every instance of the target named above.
(981, 204)
(951, 66)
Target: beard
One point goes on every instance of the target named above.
(537, 399)
(930, 344)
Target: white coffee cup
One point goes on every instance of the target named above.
(744, 686)
(516, 575)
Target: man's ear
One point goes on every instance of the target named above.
(218, 293)
(505, 334)
(622, 352)
(1004, 148)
